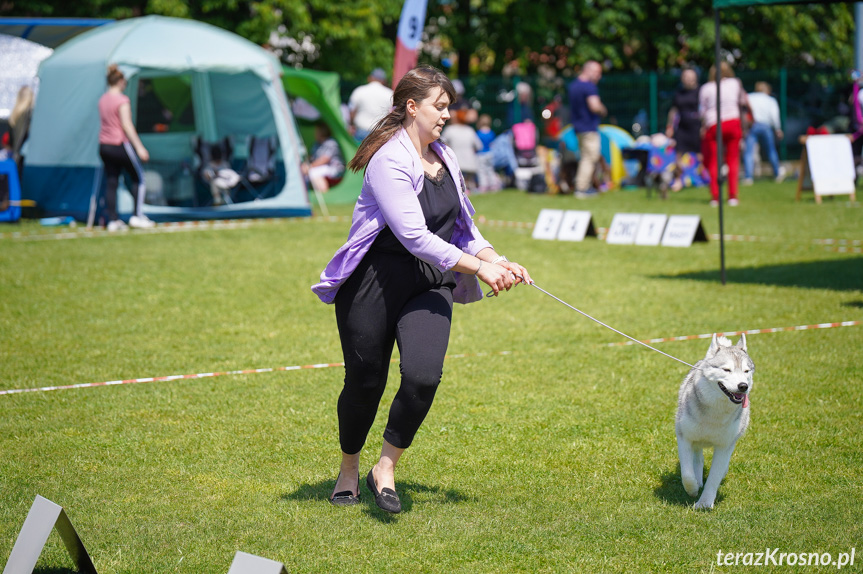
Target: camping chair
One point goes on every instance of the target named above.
(214, 168)
(260, 164)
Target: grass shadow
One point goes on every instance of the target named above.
(321, 491)
(671, 491)
(54, 570)
(854, 304)
(834, 274)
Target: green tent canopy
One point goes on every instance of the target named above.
(322, 90)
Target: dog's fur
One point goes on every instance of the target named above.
(710, 415)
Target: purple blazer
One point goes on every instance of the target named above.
(394, 178)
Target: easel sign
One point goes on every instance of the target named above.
(650, 229)
(682, 230)
(576, 225)
(829, 163)
(547, 224)
(624, 228)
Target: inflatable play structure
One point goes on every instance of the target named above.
(322, 91)
(188, 82)
(612, 140)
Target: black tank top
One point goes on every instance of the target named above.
(440, 204)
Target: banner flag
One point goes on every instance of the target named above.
(411, 26)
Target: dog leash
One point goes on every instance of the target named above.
(491, 294)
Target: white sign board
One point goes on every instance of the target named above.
(624, 228)
(831, 164)
(547, 224)
(575, 226)
(682, 230)
(650, 229)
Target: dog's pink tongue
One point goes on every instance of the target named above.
(745, 401)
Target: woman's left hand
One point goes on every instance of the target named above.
(521, 274)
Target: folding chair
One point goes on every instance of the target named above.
(260, 165)
(214, 168)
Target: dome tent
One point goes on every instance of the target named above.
(187, 80)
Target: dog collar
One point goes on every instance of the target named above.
(735, 397)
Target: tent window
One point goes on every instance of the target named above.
(165, 105)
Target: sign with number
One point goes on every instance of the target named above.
(547, 224)
(682, 230)
(624, 228)
(650, 229)
(575, 225)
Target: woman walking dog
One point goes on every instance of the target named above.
(412, 250)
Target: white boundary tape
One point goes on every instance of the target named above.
(456, 356)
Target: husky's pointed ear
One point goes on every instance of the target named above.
(741, 344)
(714, 347)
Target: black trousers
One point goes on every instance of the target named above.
(119, 158)
(391, 298)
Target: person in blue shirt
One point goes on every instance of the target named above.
(586, 109)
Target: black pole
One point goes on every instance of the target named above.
(719, 178)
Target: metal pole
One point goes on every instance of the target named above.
(858, 36)
(719, 179)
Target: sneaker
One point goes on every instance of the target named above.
(141, 222)
(116, 225)
(746, 181)
(780, 176)
(586, 194)
(714, 203)
(733, 202)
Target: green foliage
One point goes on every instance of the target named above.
(528, 36)
(559, 457)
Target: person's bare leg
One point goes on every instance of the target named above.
(384, 470)
(348, 474)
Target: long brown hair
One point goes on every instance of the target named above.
(415, 85)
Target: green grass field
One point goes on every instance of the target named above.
(558, 457)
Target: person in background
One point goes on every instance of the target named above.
(487, 178)
(684, 123)
(19, 126)
(766, 126)
(121, 150)
(326, 163)
(586, 109)
(369, 103)
(465, 143)
(733, 97)
(412, 250)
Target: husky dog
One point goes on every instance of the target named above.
(713, 411)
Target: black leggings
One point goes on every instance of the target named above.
(391, 298)
(116, 159)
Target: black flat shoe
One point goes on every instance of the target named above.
(387, 499)
(346, 497)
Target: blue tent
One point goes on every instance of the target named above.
(187, 80)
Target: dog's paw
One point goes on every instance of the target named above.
(691, 486)
(703, 504)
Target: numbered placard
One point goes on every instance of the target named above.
(576, 225)
(624, 228)
(682, 230)
(547, 224)
(650, 229)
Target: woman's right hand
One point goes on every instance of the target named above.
(497, 277)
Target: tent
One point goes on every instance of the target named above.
(19, 60)
(50, 32)
(322, 91)
(187, 80)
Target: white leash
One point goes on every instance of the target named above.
(491, 293)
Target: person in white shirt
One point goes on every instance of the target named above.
(765, 125)
(369, 103)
